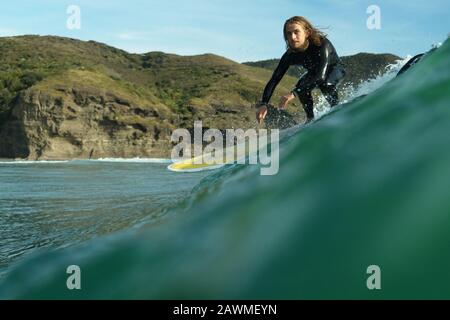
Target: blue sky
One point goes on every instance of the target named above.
(237, 29)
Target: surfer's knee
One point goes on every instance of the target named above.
(331, 94)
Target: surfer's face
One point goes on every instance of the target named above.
(296, 36)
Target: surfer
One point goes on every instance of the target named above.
(307, 47)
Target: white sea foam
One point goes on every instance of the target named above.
(135, 160)
(32, 162)
(129, 160)
(322, 107)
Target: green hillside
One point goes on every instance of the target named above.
(65, 98)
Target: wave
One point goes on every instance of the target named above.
(366, 184)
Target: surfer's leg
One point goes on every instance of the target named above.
(331, 94)
(307, 101)
(329, 87)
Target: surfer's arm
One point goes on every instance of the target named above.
(278, 74)
(312, 78)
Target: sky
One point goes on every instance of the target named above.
(240, 30)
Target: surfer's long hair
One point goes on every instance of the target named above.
(314, 34)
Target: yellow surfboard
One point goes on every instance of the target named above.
(209, 161)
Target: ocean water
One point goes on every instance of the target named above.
(366, 184)
(56, 204)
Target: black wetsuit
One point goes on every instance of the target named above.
(324, 72)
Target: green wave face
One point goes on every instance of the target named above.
(366, 185)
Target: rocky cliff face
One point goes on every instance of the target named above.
(63, 98)
(82, 123)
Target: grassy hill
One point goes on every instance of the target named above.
(66, 98)
(62, 97)
(180, 83)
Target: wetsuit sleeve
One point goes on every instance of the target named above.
(311, 79)
(278, 74)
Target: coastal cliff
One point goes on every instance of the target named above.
(63, 98)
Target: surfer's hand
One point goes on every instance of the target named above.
(285, 100)
(261, 114)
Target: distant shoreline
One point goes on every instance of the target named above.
(118, 160)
